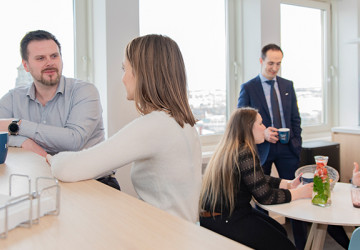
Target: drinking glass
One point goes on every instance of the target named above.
(355, 196)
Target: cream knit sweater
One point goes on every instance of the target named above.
(166, 171)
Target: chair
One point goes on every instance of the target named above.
(355, 240)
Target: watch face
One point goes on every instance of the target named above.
(13, 127)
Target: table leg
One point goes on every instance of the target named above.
(310, 237)
(349, 230)
(316, 237)
(319, 237)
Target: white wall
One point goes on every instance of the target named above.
(122, 25)
(348, 58)
(261, 26)
(116, 23)
(99, 54)
(252, 41)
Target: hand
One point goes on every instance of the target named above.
(306, 190)
(48, 159)
(356, 175)
(303, 191)
(34, 147)
(271, 134)
(296, 182)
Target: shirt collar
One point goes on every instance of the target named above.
(263, 78)
(60, 89)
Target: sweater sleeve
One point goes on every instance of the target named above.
(136, 141)
(273, 181)
(264, 189)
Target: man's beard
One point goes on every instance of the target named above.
(52, 81)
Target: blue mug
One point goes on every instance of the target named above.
(307, 178)
(284, 135)
(4, 138)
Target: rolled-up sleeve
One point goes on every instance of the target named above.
(16, 141)
(6, 111)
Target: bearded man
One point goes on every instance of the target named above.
(53, 113)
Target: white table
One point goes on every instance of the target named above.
(341, 212)
(96, 216)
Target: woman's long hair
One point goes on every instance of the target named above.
(160, 76)
(218, 181)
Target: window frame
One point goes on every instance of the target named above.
(83, 41)
(322, 130)
(235, 57)
(233, 70)
(235, 64)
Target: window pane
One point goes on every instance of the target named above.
(199, 29)
(302, 35)
(21, 16)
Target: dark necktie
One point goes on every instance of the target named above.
(274, 105)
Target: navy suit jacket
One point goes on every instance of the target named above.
(252, 95)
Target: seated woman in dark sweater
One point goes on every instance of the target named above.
(233, 176)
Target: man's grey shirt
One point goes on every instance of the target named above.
(70, 121)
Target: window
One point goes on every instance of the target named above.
(198, 27)
(21, 16)
(305, 43)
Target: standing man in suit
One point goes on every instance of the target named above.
(256, 93)
(274, 97)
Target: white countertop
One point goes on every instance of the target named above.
(96, 216)
(347, 129)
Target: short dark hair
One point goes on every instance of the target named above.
(268, 47)
(37, 35)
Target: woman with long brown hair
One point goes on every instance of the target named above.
(233, 176)
(163, 143)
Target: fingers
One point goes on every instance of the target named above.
(309, 188)
(272, 129)
(271, 134)
(311, 184)
(272, 140)
(296, 180)
(356, 167)
(48, 158)
(306, 190)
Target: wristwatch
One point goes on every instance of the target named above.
(14, 127)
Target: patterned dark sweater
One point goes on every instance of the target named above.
(250, 183)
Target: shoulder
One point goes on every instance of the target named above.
(18, 94)
(253, 81)
(245, 155)
(80, 87)
(158, 128)
(72, 83)
(159, 122)
(251, 84)
(21, 90)
(151, 120)
(281, 80)
(159, 119)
